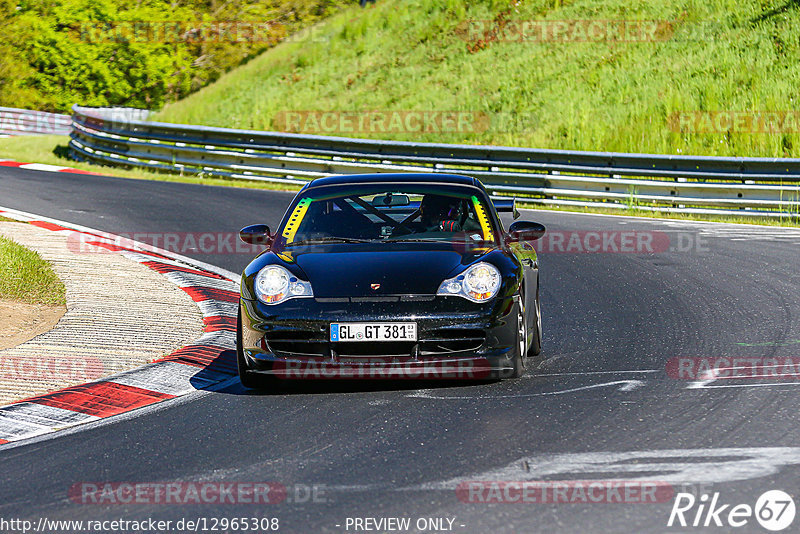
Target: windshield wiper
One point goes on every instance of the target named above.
(321, 240)
(438, 240)
(417, 240)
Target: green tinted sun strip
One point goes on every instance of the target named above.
(483, 219)
(295, 219)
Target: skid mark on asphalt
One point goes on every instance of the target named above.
(726, 374)
(704, 384)
(588, 373)
(738, 232)
(624, 385)
(785, 343)
(673, 466)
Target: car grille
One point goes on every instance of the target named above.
(304, 344)
(451, 340)
(380, 349)
(314, 345)
(378, 298)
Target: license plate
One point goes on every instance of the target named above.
(373, 331)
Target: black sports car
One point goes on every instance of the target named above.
(392, 276)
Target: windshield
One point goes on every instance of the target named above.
(389, 213)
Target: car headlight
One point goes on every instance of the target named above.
(274, 284)
(479, 283)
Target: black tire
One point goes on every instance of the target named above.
(536, 343)
(518, 360)
(249, 380)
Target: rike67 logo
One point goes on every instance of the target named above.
(774, 510)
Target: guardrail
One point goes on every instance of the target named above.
(700, 184)
(23, 122)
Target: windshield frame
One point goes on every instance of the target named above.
(330, 191)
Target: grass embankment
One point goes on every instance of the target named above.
(610, 95)
(26, 277)
(560, 93)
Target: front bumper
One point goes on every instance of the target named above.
(455, 338)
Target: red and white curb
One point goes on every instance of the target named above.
(207, 361)
(43, 167)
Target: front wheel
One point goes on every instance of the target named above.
(518, 361)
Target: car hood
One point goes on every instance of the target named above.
(399, 272)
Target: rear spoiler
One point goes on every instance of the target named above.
(506, 205)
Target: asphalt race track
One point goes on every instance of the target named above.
(601, 406)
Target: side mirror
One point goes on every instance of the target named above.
(525, 231)
(504, 205)
(256, 234)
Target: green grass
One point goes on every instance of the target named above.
(615, 96)
(26, 277)
(416, 55)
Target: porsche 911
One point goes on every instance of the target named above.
(390, 276)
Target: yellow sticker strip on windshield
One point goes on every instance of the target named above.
(483, 219)
(294, 221)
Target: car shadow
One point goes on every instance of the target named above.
(221, 368)
(339, 386)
